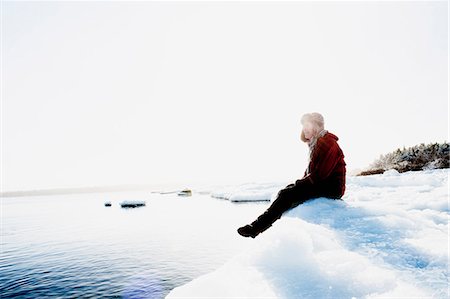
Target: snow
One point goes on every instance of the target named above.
(248, 192)
(387, 238)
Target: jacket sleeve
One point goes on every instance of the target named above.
(325, 159)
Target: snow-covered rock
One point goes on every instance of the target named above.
(387, 238)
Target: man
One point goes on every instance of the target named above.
(324, 177)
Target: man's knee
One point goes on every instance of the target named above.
(286, 198)
(281, 192)
(292, 197)
(288, 191)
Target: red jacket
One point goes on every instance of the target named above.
(326, 167)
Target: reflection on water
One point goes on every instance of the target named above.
(74, 246)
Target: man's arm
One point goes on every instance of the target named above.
(324, 160)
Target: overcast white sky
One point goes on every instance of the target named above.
(104, 93)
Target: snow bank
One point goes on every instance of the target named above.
(248, 192)
(387, 238)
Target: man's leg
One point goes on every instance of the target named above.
(287, 198)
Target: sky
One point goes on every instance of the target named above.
(107, 93)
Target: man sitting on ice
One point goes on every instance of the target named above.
(324, 177)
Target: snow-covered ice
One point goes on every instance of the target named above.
(248, 192)
(388, 237)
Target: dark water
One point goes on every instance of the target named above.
(73, 246)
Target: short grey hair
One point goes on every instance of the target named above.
(315, 119)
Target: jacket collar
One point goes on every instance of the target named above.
(313, 142)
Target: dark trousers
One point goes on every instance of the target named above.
(288, 198)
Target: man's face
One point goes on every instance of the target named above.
(308, 131)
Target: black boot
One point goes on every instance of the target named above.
(259, 225)
(247, 231)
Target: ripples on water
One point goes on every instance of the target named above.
(74, 246)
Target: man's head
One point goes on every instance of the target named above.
(312, 124)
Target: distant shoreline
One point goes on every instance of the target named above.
(80, 190)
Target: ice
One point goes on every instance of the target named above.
(388, 237)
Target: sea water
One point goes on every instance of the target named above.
(73, 246)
